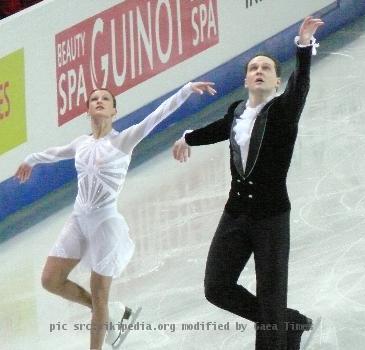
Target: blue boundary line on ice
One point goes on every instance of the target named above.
(228, 76)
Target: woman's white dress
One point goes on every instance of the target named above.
(96, 233)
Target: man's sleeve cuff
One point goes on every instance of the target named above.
(186, 132)
(313, 43)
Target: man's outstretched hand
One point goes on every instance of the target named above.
(308, 29)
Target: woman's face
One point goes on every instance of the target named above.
(101, 104)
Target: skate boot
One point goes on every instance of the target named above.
(118, 315)
(121, 319)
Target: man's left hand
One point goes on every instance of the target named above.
(308, 29)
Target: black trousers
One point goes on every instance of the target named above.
(233, 243)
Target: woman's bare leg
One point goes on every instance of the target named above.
(100, 287)
(55, 280)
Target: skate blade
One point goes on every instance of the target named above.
(118, 342)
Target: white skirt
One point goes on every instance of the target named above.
(100, 239)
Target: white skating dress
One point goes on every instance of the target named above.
(96, 233)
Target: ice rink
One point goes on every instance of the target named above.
(173, 209)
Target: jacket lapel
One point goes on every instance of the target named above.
(235, 147)
(257, 136)
(255, 142)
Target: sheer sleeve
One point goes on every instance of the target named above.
(54, 154)
(129, 138)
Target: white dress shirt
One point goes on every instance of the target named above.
(244, 126)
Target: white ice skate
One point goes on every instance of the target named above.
(120, 319)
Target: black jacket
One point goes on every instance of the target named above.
(261, 190)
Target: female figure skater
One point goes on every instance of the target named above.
(96, 234)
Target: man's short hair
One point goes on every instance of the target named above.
(276, 62)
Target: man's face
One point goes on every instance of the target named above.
(261, 75)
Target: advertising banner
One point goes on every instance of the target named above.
(127, 44)
(12, 101)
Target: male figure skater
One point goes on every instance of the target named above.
(262, 133)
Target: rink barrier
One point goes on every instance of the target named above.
(16, 209)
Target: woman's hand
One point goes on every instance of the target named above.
(23, 173)
(200, 87)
